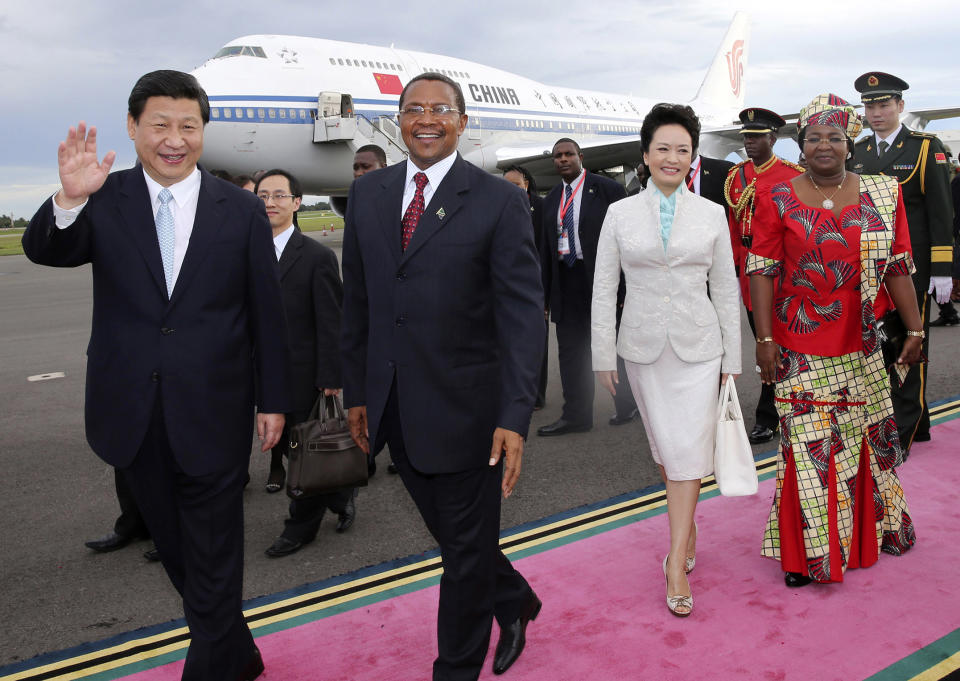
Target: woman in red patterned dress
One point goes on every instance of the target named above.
(830, 256)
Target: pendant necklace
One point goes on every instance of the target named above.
(828, 200)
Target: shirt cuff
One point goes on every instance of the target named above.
(64, 217)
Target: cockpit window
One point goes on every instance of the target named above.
(240, 50)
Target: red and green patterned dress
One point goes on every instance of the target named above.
(838, 500)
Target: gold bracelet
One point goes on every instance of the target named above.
(765, 339)
(918, 334)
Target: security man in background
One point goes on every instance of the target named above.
(919, 162)
(745, 181)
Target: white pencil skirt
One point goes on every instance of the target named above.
(678, 404)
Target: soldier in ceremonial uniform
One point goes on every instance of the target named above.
(919, 162)
(744, 181)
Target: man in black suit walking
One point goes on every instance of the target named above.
(312, 298)
(184, 345)
(573, 214)
(442, 336)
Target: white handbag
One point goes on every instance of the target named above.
(733, 463)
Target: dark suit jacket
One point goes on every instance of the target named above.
(598, 193)
(456, 320)
(312, 299)
(198, 350)
(713, 174)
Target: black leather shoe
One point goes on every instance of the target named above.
(110, 542)
(761, 434)
(152, 555)
(921, 437)
(514, 636)
(253, 668)
(945, 321)
(561, 427)
(392, 468)
(371, 466)
(795, 579)
(283, 547)
(345, 519)
(617, 420)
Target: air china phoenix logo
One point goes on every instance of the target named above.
(735, 67)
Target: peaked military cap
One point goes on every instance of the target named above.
(758, 121)
(877, 86)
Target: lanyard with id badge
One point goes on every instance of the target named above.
(563, 239)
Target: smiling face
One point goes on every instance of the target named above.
(825, 148)
(669, 157)
(430, 138)
(884, 116)
(168, 138)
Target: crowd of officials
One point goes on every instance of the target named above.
(436, 337)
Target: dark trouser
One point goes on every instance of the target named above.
(947, 311)
(910, 399)
(303, 522)
(542, 381)
(130, 522)
(197, 525)
(766, 413)
(573, 346)
(462, 512)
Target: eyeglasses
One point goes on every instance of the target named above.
(834, 140)
(276, 196)
(438, 110)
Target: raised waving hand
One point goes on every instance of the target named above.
(80, 172)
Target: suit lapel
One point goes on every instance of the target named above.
(206, 226)
(443, 206)
(896, 150)
(137, 215)
(291, 252)
(389, 204)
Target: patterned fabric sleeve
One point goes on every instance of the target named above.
(901, 259)
(766, 252)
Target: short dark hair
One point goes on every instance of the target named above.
(375, 150)
(433, 75)
(223, 175)
(670, 114)
(531, 184)
(241, 180)
(166, 83)
(567, 139)
(294, 182)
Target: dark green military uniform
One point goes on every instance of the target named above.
(918, 161)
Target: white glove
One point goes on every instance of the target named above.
(941, 287)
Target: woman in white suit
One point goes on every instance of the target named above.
(679, 343)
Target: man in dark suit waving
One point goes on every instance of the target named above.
(441, 345)
(184, 344)
(573, 214)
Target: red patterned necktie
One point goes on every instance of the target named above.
(414, 211)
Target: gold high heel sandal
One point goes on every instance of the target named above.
(674, 602)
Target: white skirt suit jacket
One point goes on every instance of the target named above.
(675, 338)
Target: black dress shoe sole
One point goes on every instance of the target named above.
(564, 431)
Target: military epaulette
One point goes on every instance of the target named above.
(864, 140)
(736, 166)
(791, 164)
(922, 135)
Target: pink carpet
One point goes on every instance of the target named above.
(604, 615)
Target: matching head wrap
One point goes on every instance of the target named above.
(828, 109)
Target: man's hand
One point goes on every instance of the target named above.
(510, 444)
(357, 420)
(269, 428)
(609, 380)
(941, 288)
(80, 173)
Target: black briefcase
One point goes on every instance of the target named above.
(323, 458)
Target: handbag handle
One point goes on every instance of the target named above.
(729, 401)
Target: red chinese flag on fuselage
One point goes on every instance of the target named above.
(388, 83)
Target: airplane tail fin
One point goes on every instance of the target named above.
(721, 95)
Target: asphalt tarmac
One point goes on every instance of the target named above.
(55, 493)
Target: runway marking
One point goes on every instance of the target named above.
(46, 377)
(164, 643)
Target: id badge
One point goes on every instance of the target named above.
(563, 245)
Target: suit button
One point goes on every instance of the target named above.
(155, 377)
(400, 321)
(391, 364)
(166, 331)
(401, 276)
(666, 299)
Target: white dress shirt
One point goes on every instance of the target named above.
(576, 211)
(281, 239)
(435, 175)
(186, 192)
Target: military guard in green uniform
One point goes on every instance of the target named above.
(919, 162)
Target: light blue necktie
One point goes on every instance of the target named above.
(570, 259)
(165, 231)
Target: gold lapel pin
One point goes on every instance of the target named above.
(441, 213)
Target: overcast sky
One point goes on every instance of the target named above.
(63, 61)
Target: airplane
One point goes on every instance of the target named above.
(307, 104)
